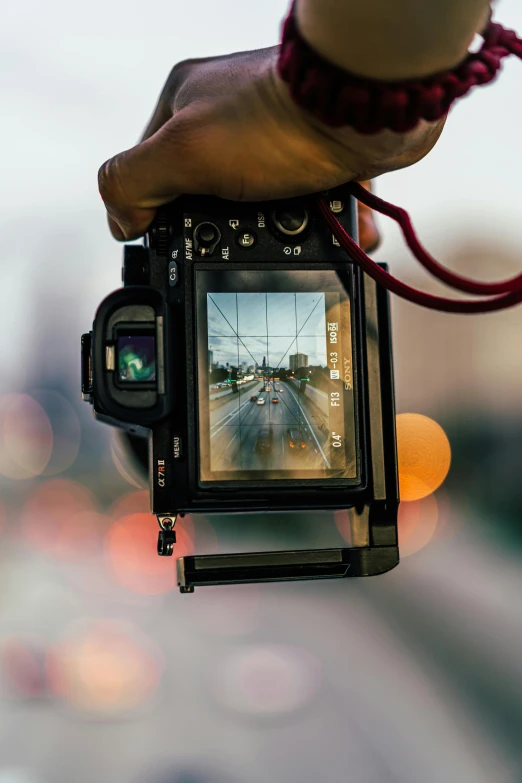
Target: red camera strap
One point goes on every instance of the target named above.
(503, 295)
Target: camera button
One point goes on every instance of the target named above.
(246, 239)
(336, 206)
(206, 237)
(207, 233)
(291, 222)
(177, 447)
(173, 273)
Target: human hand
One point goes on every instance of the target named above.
(227, 126)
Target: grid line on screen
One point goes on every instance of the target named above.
(233, 315)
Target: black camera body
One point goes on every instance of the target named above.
(256, 357)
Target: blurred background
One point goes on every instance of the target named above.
(106, 672)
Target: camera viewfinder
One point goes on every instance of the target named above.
(136, 358)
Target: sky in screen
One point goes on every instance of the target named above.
(247, 327)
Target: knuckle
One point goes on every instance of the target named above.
(183, 68)
(179, 75)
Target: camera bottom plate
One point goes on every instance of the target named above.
(198, 570)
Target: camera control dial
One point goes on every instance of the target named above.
(291, 222)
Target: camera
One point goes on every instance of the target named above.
(255, 359)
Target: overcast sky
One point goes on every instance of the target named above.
(271, 315)
(246, 327)
(79, 83)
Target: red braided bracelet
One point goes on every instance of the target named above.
(338, 97)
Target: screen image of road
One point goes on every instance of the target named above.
(275, 401)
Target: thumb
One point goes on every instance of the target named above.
(135, 182)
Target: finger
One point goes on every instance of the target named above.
(369, 237)
(141, 220)
(134, 183)
(165, 108)
(160, 116)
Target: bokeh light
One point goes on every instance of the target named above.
(104, 667)
(61, 519)
(343, 523)
(131, 503)
(23, 670)
(139, 503)
(26, 437)
(65, 427)
(424, 455)
(131, 552)
(268, 680)
(417, 524)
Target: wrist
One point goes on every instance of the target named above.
(392, 41)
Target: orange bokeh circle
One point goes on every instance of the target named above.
(104, 667)
(424, 455)
(60, 518)
(137, 502)
(417, 523)
(131, 551)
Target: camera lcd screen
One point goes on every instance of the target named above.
(136, 357)
(275, 376)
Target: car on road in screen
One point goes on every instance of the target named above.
(264, 441)
(275, 399)
(253, 398)
(295, 440)
(261, 400)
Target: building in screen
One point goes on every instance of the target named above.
(297, 360)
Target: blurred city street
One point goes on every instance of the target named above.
(107, 673)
